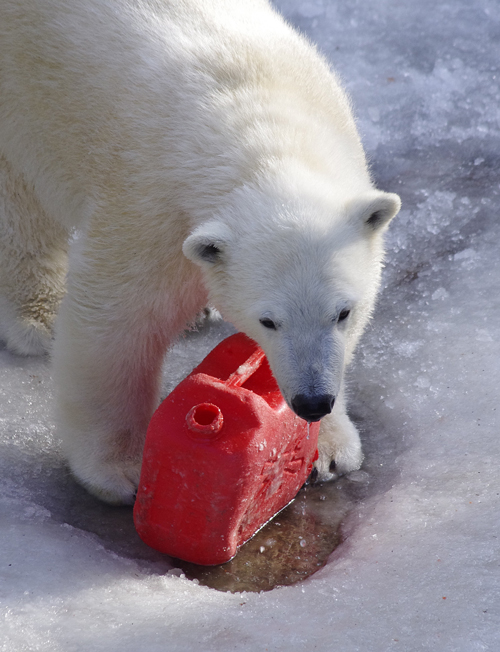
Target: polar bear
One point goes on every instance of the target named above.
(205, 154)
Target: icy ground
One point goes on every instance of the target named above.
(419, 565)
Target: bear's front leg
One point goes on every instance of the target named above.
(115, 323)
(339, 446)
(107, 371)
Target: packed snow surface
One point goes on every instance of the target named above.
(418, 566)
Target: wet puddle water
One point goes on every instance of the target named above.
(290, 547)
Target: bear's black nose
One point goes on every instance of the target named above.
(312, 408)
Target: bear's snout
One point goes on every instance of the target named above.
(312, 408)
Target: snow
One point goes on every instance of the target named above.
(417, 567)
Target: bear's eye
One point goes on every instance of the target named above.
(268, 323)
(344, 314)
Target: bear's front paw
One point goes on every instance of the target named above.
(339, 448)
(114, 483)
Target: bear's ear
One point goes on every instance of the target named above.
(207, 244)
(379, 210)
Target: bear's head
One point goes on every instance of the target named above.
(300, 277)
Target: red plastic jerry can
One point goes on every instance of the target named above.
(223, 454)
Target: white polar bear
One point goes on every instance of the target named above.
(206, 154)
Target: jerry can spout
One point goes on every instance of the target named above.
(204, 420)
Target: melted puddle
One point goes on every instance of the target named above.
(290, 547)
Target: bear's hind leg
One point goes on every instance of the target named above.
(33, 262)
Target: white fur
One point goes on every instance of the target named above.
(157, 127)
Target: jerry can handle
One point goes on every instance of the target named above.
(247, 369)
(205, 420)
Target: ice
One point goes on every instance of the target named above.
(417, 567)
(311, 9)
